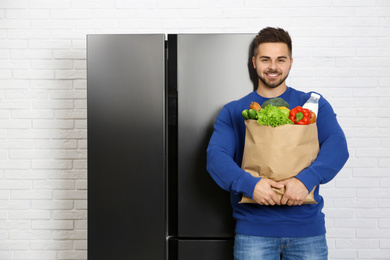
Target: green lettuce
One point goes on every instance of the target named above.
(272, 116)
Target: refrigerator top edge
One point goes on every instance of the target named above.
(168, 34)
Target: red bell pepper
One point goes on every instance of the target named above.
(300, 116)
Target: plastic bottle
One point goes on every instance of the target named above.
(312, 103)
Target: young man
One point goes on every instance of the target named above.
(275, 228)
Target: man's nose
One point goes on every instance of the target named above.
(272, 65)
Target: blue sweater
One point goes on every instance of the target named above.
(224, 156)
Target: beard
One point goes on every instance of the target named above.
(271, 83)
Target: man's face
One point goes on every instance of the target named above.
(272, 63)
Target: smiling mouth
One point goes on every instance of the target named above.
(272, 75)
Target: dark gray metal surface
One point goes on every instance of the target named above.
(126, 147)
(206, 249)
(211, 71)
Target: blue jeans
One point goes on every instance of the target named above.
(271, 248)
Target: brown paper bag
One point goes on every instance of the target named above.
(279, 153)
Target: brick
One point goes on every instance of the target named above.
(33, 74)
(42, 4)
(66, 94)
(80, 204)
(342, 254)
(9, 4)
(357, 183)
(80, 164)
(74, 13)
(29, 33)
(14, 64)
(384, 203)
(74, 114)
(81, 124)
(373, 193)
(72, 255)
(14, 174)
(355, 223)
(81, 104)
(384, 243)
(51, 204)
(16, 144)
(15, 205)
(14, 245)
(339, 213)
(51, 64)
(73, 235)
(4, 195)
(372, 213)
(30, 54)
(53, 124)
(373, 152)
(14, 104)
(355, 203)
(374, 253)
(70, 194)
(70, 74)
(28, 134)
(51, 44)
(72, 154)
(56, 24)
(51, 84)
(15, 184)
(70, 215)
(51, 245)
(374, 172)
(341, 233)
(32, 114)
(80, 245)
(80, 185)
(333, 12)
(35, 255)
(53, 184)
(29, 235)
(27, 14)
(14, 44)
(82, 144)
(15, 225)
(69, 134)
(29, 214)
(51, 104)
(34, 195)
(51, 164)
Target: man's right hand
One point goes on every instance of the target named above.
(263, 193)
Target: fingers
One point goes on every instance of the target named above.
(269, 199)
(263, 193)
(291, 202)
(277, 185)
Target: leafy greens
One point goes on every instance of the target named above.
(272, 116)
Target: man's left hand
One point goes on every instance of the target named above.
(295, 192)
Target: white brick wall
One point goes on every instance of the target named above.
(341, 49)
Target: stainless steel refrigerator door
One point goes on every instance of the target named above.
(212, 69)
(126, 146)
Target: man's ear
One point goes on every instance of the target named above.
(254, 62)
(291, 63)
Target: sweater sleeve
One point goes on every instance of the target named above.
(220, 158)
(333, 149)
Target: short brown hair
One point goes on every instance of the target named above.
(270, 34)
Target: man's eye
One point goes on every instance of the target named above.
(282, 60)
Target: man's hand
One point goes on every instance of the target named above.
(263, 193)
(295, 192)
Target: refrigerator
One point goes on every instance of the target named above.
(152, 102)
